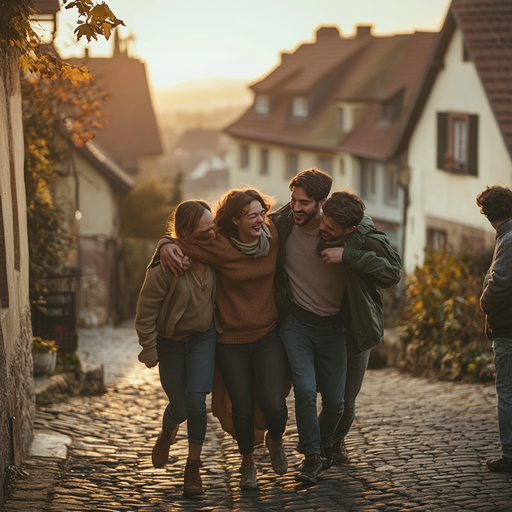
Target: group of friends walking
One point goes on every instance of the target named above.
(246, 303)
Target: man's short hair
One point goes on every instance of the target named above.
(495, 203)
(345, 208)
(317, 184)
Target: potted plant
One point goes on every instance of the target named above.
(45, 356)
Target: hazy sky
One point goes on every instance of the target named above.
(200, 39)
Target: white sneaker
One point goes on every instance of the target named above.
(277, 457)
(248, 480)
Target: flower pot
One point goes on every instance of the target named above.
(44, 363)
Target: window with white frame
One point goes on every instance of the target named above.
(264, 161)
(324, 163)
(436, 238)
(300, 106)
(244, 156)
(292, 165)
(340, 118)
(342, 166)
(457, 143)
(391, 184)
(368, 180)
(262, 104)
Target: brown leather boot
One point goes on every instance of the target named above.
(193, 484)
(160, 454)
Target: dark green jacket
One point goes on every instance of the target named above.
(369, 262)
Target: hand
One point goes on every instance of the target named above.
(332, 255)
(173, 259)
(151, 364)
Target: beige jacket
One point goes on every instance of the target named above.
(162, 302)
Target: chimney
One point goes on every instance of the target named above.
(363, 31)
(324, 33)
(285, 56)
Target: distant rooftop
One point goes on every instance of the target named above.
(132, 131)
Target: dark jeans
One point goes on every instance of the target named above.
(357, 363)
(263, 362)
(186, 373)
(323, 348)
(503, 367)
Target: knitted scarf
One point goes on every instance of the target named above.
(257, 249)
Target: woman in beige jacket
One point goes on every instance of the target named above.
(176, 328)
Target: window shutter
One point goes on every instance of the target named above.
(442, 138)
(473, 146)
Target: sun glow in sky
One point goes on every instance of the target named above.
(184, 40)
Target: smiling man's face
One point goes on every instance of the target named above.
(306, 211)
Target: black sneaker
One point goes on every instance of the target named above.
(310, 470)
(326, 453)
(501, 465)
(339, 452)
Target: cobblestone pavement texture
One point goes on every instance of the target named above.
(415, 446)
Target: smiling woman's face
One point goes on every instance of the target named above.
(250, 222)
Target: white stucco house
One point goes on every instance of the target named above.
(337, 104)
(459, 131)
(89, 191)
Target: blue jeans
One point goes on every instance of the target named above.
(503, 367)
(186, 373)
(324, 347)
(262, 362)
(357, 362)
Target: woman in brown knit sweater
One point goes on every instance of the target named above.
(249, 350)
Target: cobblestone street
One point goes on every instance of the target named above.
(415, 445)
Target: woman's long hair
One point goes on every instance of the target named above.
(185, 219)
(232, 204)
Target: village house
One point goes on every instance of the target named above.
(131, 137)
(89, 191)
(17, 403)
(459, 130)
(338, 104)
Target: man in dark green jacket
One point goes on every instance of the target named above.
(321, 303)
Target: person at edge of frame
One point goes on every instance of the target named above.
(496, 302)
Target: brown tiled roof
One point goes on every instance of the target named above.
(300, 71)
(370, 138)
(368, 69)
(47, 6)
(487, 29)
(132, 130)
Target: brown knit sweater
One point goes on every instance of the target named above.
(245, 294)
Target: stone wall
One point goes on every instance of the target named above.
(17, 407)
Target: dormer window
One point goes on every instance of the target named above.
(300, 106)
(262, 104)
(391, 108)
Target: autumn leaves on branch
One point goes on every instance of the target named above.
(94, 19)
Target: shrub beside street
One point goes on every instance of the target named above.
(442, 326)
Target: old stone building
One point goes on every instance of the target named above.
(17, 407)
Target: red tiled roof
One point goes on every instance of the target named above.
(487, 29)
(366, 69)
(132, 130)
